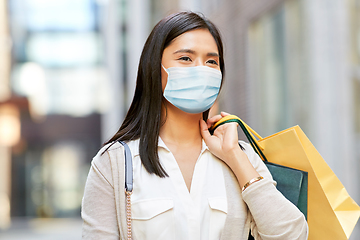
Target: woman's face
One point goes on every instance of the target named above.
(190, 49)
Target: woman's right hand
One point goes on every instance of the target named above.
(224, 144)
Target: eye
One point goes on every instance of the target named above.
(211, 61)
(185, 58)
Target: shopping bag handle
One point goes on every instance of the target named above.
(248, 131)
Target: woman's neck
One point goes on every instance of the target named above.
(180, 128)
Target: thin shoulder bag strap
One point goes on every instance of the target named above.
(128, 187)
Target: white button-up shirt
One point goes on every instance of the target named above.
(163, 208)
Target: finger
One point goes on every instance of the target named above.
(204, 130)
(213, 120)
(224, 114)
(223, 129)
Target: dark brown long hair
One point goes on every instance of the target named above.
(143, 120)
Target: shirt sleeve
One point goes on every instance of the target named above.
(274, 217)
(98, 204)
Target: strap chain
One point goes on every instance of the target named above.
(128, 214)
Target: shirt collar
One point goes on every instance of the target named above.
(161, 144)
(204, 146)
(135, 146)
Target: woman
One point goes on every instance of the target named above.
(188, 184)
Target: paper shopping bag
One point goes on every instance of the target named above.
(331, 213)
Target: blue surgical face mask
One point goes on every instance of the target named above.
(192, 89)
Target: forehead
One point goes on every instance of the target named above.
(199, 40)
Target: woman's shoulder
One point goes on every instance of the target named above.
(103, 153)
(103, 158)
(113, 149)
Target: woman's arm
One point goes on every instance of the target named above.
(98, 205)
(274, 217)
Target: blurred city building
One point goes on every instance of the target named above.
(53, 90)
(73, 72)
(58, 68)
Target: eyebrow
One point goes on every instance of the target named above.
(210, 54)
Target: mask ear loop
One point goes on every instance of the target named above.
(167, 75)
(167, 72)
(163, 98)
(164, 68)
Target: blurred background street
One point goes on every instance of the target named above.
(68, 71)
(43, 229)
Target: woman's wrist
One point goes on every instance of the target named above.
(254, 180)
